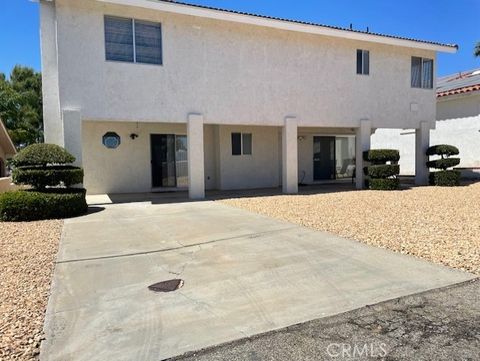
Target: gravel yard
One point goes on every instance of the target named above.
(28, 253)
(438, 224)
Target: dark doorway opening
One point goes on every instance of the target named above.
(323, 158)
(169, 161)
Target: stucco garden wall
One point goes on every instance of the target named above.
(458, 125)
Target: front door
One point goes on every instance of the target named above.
(323, 158)
(169, 160)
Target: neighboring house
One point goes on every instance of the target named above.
(458, 123)
(7, 150)
(159, 95)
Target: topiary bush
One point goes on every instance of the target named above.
(443, 149)
(383, 171)
(45, 168)
(42, 177)
(444, 177)
(381, 156)
(383, 184)
(41, 155)
(53, 203)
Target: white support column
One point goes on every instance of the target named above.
(72, 133)
(196, 172)
(422, 142)
(290, 156)
(362, 144)
(52, 114)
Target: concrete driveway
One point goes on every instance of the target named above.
(244, 274)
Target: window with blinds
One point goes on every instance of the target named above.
(422, 73)
(133, 41)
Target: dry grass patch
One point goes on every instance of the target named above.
(438, 224)
(28, 253)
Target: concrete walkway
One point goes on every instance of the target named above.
(244, 274)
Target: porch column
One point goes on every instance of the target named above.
(422, 142)
(290, 156)
(362, 144)
(72, 133)
(196, 173)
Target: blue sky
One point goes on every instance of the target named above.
(450, 21)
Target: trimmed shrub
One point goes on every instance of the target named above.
(382, 170)
(381, 156)
(42, 155)
(443, 163)
(443, 149)
(50, 204)
(40, 177)
(382, 176)
(446, 178)
(383, 184)
(45, 168)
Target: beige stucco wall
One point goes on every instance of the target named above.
(258, 170)
(305, 149)
(127, 168)
(231, 73)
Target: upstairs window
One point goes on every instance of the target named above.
(363, 62)
(422, 73)
(133, 41)
(241, 143)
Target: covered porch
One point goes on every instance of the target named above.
(196, 156)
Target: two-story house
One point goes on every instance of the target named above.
(161, 95)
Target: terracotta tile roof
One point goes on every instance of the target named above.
(309, 23)
(464, 82)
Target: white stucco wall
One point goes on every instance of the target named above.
(238, 77)
(228, 72)
(458, 124)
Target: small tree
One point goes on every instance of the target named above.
(444, 177)
(383, 170)
(47, 169)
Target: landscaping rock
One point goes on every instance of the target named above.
(28, 252)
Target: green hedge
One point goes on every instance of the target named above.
(446, 178)
(42, 155)
(382, 170)
(443, 163)
(40, 177)
(51, 204)
(382, 184)
(443, 149)
(379, 156)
